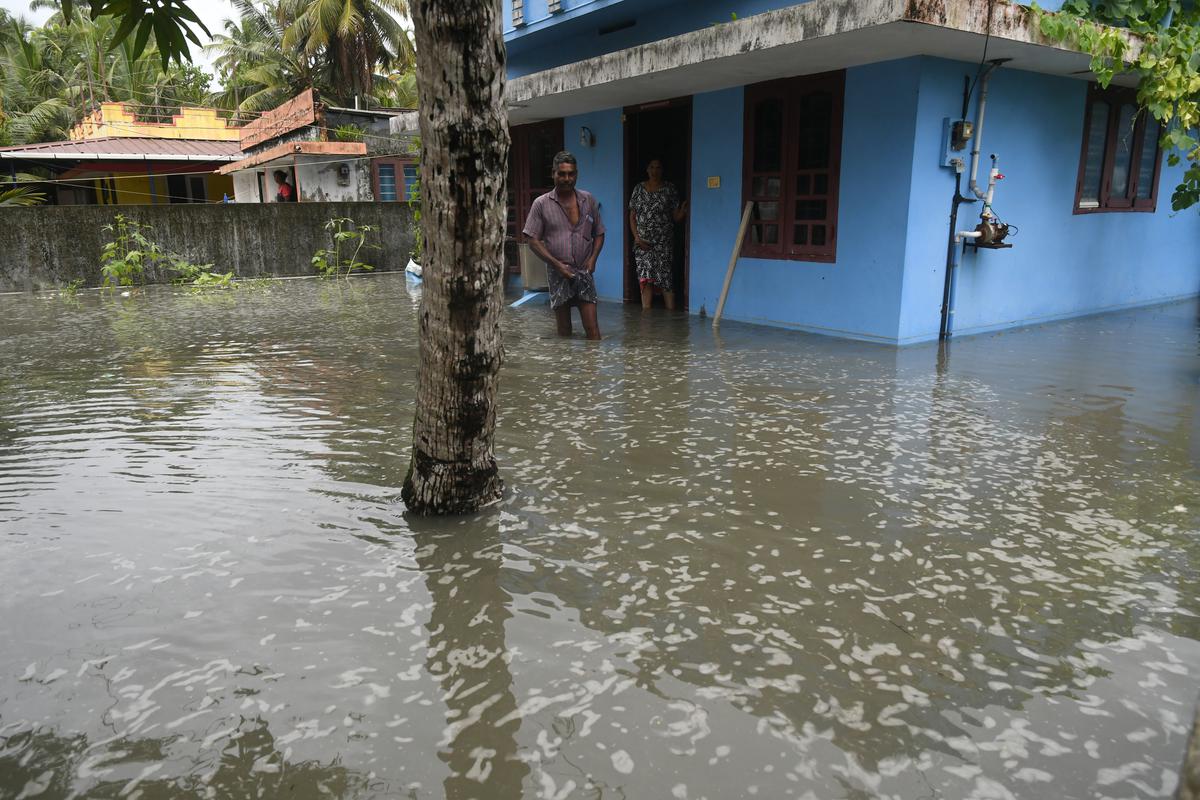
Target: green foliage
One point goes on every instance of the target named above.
(170, 21)
(414, 197)
(51, 75)
(1167, 65)
(1187, 193)
(199, 275)
(353, 38)
(125, 260)
(342, 258)
(398, 89)
(21, 197)
(342, 48)
(348, 133)
(72, 288)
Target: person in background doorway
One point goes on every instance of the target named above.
(286, 193)
(654, 209)
(565, 231)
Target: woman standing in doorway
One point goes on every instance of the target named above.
(654, 209)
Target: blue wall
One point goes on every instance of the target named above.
(715, 213)
(1061, 264)
(857, 296)
(600, 173)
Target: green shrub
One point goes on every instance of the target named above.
(349, 241)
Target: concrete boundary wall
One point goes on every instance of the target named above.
(44, 247)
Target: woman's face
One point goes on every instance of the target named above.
(654, 169)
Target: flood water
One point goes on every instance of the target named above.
(763, 564)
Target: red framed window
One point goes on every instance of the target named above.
(1120, 162)
(791, 165)
(394, 180)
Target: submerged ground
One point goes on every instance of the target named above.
(762, 564)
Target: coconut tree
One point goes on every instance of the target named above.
(51, 75)
(464, 159)
(397, 89)
(353, 38)
(34, 94)
(257, 71)
(20, 196)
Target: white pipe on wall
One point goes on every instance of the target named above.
(991, 190)
(983, 90)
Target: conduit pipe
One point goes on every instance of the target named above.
(982, 107)
(955, 237)
(952, 248)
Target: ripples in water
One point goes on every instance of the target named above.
(748, 564)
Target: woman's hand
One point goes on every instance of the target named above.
(641, 243)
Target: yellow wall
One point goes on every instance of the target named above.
(134, 190)
(117, 119)
(218, 186)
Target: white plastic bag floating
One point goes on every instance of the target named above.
(413, 268)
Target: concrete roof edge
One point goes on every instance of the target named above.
(779, 28)
(297, 148)
(26, 155)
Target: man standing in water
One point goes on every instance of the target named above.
(565, 231)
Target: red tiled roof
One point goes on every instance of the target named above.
(128, 149)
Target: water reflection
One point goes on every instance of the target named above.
(468, 655)
(44, 764)
(753, 564)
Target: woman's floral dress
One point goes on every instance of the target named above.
(652, 211)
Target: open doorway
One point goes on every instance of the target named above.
(661, 130)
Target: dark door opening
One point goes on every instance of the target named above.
(661, 130)
(533, 148)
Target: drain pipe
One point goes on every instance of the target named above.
(952, 250)
(983, 91)
(954, 239)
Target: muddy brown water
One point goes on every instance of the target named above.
(764, 564)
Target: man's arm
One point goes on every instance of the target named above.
(597, 246)
(540, 250)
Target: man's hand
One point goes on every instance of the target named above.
(590, 265)
(565, 271)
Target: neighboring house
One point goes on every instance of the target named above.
(327, 153)
(834, 119)
(112, 158)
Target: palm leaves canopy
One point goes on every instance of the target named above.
(348, 50)
(345, 49)
(50, 76)
(352, 38)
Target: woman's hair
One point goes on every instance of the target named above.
(280, 175)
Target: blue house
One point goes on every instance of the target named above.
(842, 122)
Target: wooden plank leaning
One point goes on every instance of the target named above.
(733, 257)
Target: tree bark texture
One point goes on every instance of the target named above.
(1189, 774)
(464, 169)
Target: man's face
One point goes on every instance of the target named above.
(564, 177)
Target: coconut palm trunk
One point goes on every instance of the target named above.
(464, 147)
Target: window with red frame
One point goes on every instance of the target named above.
(393, 180)
(1120, 160)
(793, 150)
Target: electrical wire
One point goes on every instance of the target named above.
(66, 181)
(986, 38)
